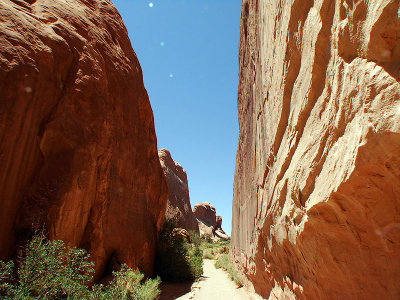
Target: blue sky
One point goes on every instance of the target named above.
(188, 51)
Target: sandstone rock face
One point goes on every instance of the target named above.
(205, 212)
(218, 221)
(78, 149)
(179, 209)
(316, 208)
(209, 222)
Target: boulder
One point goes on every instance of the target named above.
(78, 149)
(317, 179)
(205, 212)
(180, 233)
(209, 223)
(179, 210)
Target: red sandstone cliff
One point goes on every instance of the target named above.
(179, 209)
(316, 208)
(78, 150)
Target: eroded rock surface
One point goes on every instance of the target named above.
(316, 211)
(205, 212)
(209, 223)
(78, 150)
(179, 209)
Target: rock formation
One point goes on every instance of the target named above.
(78, 149)
(209, 222)
(179, 209)
(316, 208)
(205, 212)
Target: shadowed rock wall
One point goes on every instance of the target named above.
(316, 208)
(78, 150)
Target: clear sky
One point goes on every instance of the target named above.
(188, 50)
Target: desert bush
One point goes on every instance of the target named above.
(208, 254)
(51, 270)
(223, 262)
(176, 259)
(47, 269)
(195, 238)
(127, 284)
(207, 238)
(211, 250)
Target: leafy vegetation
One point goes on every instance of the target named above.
(219, 251)
(223, 262)
(177, 259)
(207, 238)
(51, 270)
(195, 238)
(211, 250)
(127, 284)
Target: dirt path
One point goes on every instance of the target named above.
(215, 284)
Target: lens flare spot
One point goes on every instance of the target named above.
(28, 89)
(171, 75)
(162, 44)
(151, 4)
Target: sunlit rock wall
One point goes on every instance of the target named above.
(179, 210)
(78, 150)
(316, 208)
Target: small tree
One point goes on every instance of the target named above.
(176, 259)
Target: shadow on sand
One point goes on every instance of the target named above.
(173, 290)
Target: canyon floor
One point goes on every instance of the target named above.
(214, 284)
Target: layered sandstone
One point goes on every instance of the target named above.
(209, 223)
(179, 209)
(78, 149)
(316, 209)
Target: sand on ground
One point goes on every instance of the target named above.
(215, 284)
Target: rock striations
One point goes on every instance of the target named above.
(316, 208)
(179, 209)
(78, 149)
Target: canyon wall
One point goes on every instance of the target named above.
(316, 204)
(179, 209)
(78, 150)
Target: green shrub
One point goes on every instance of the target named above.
(195, 238)
(211, 250)
(47, 269)
(207, 237)
(176, 259)
(51, 270)
(223, 262)
(208, 254)
(127, 284)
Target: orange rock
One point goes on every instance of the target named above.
(317, 181)
(205, 212)
(179, 209)
(209, 222)
(218, 221)
(78, 150)
(181, 233)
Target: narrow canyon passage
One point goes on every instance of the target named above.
(282, 124)
(214, 284)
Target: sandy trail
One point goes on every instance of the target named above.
(216, 284)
